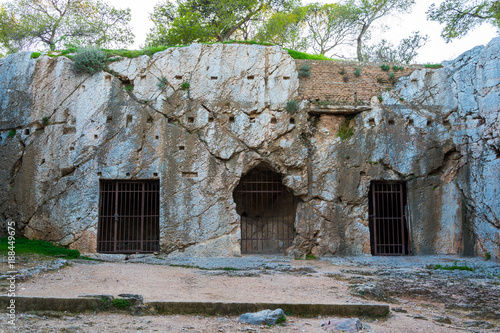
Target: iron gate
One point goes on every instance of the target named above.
(129, 216)
(267, 209)
(388, 229)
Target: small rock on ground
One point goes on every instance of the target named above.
(344, 324)
(264, 317)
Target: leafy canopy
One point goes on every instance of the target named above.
(461, 16)
(206, 20)
(28, 24)
(405, 52)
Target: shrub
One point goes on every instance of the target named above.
(292, 106)
(11, 133)
(357, 71)
(384, 67)
(35, 55)
(45, 121)
(120, 303)
(398, 68)
(380, 98)
(128, 88)
(311, 257)
(89, 60)
(185, 86)
(305, 70)
(487, 256)
(345, 131)
(162, 83)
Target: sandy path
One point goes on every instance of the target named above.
(167, 283)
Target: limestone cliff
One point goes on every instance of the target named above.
(438, 130)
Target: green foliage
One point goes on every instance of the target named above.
(405, 52)
(35, 55)
(292, 106)
(311, 257)
(284, 28)
(120, 303)
(26, 24)
(281, 320)
(380, 80)
(45, 121)
(461, 16)
(229, 269)
(380, 98)
(487, 256)
(185, 86)
(384, 67)
(346, 131)
(453, 267)
(25, 246)
(401, 99)
(357, 71)
(305, 70)
(433, 66)
(392, 77)
(189, 21)
(89, 60)
(398, 68)
(302, 55)
(128, 88)
(162, 83)
(11, 133)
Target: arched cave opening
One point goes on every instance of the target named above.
(267, 209)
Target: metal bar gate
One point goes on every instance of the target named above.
(129, 216)
(388, 229)
(267, 209)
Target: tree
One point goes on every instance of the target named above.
(461, 16)
(331, 25)
(369, 11)
(405, 52)
(205, 20)
(285, 29)
(31, 23)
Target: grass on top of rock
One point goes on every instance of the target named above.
(120, 303)
(27, 246)
(453, 267)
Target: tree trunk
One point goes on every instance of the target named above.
(360, 41)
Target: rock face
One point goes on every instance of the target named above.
(199, 118)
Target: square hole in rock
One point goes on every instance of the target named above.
(250, 77)
(27, 131)
(109, 119)
(213, 78)
(292, 121)
(371, 122)
(410, 122)
(155, 174)
(181, 147)
(190, 119)
(429, 122)
(231, 119)
(391, 122)
(178, 77)
(273, 120)
(150, 120)
(95, 136)
(99, 174)
(210, 119)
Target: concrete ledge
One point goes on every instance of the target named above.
(305, 310)
(96, 303)
(27, 303)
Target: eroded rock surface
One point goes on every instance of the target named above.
(438, 130)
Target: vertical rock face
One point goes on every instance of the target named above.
(198, 118)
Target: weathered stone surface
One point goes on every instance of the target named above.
(437, 130)
(264, 317)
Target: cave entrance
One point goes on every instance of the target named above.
(387, 212)
(267, 209)
(129, 216)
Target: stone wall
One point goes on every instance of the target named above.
(336, 81)
(437, 130)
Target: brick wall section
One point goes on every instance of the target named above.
(327, 83)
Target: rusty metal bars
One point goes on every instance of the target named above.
(387, 218)
(128, 216)
(268, 213)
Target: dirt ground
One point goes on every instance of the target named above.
(421, 300)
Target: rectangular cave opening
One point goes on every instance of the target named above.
(389, 235)
(129, 216)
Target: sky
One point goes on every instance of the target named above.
(401, 26)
